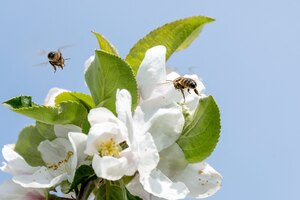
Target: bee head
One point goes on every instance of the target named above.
(193, 85)
(51, 55)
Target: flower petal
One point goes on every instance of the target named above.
(201, 179)
(132, 160)
(123, 107)
(103, 132)
(55, 150)
(62, 131)
(136, 188)
(152, 70)
(148, 153)
(40, 179)
(165, 126)
(16, 164)
(165, 99)
(172, 161)
(12, 191)
(78, 141)
(101, 115)
(161, 186)
(123, 104)
(52, 94)
(110, 168)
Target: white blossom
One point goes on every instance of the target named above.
(12, 191)
(62, 156)
(198, 180)
(108, 134)
(155, 84)
(16, 165)
(174, 177)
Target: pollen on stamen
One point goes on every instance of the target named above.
(110, 148)
(57, 165)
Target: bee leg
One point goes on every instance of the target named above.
(196, 91)
(53, 66)
(183, 95)
(188, 90)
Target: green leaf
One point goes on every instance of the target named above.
(45, 130)
(175, 36)
(105, 75)
(83, 174)
(111, 190)
(30, 138)
(82, 98)
(20, 102)
(105, 45)
(201, 135)
(68, 112)
(86, 126)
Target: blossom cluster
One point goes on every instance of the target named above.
(134, 149)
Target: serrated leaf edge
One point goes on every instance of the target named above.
(114, 48)
(176, 21)
(71, 93)
(131, 70)
(218, 138)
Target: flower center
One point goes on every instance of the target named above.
(64, 161)
(110, 148)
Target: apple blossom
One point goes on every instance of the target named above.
(155, 90)
(140, 144)
(107, 135)
(12, 191)
(200, 178)
(16, 165)
(173, 178)
(62, 156)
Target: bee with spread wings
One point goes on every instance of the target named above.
(55, 58)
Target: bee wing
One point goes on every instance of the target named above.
(65, 46)
(41, 64)
(167, 81)
(170, 69)
(43, 52)
(193, 69)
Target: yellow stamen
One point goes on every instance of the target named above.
(55, 166)
(110, 148)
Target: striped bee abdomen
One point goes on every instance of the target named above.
(182, 83)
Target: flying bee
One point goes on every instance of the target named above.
(56, 59)
(182, 83)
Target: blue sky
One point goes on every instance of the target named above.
(249, 60)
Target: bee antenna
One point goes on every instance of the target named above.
(67, 58)
(169, 80)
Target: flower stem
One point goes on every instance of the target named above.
(85, 190)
